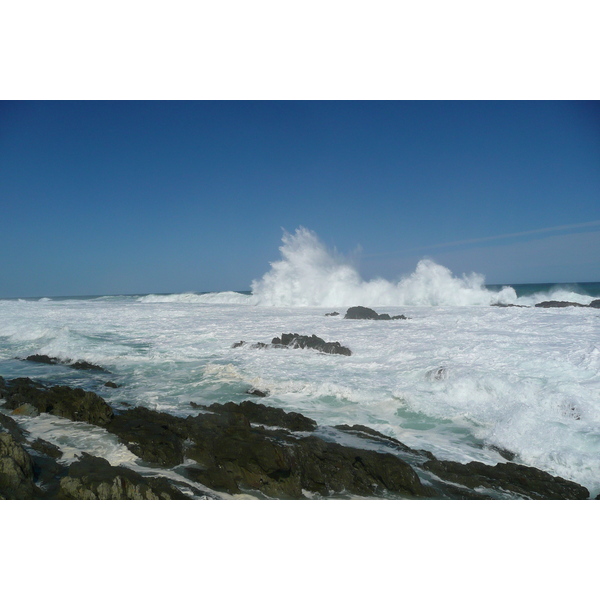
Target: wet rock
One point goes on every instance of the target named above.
(44, 359)
(594, 304)
(294, 340)
(376, 436)
(520, 480)
(155, 437)
(16, 470)
(111, 384)
(240, 458)
(332, 314)
(60, 400)
(267, 415)
(556, 304)
(501, 305)
(80, 364)
(362, 312)
(437, 374)
(93, 478)
(26, 410)
(257, 392)
(11, 426)
(238, 344)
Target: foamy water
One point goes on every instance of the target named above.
(457, 378)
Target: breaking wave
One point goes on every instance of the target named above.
(311, 275)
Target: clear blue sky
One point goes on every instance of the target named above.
(138, 197)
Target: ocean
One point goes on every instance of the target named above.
(461, 377)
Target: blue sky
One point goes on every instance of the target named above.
(139, 197)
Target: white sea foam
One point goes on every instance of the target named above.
(194, 298)
(310, 275)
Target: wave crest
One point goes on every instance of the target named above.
(310, 275)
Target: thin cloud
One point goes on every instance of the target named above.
(503, 236)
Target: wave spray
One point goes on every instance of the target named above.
(310, 275)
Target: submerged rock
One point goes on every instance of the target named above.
(362, 312)
(332, 314)
(257, 392)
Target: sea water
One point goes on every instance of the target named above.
(459, 377)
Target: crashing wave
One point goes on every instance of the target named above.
(310, 275)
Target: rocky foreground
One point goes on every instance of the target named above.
(236, 448)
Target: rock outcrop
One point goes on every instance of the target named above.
(93, 478)
(81, 365)
(242, 448)
(295, 340)
(60, 400)
(519, 480)
(362, 312)
(557, 304)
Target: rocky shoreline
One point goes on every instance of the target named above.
(238, 448)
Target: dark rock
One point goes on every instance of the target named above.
(16, 470)
(594, 304)
(257, 392)
(111, 384)
(11, 426)
(294, 340)
(237, 457)
(60, 400)
(500, 304)
(556, 304)
(155, 437)
(86, 366)
(376, 436)
(527, 482)
(47, 448)
(238, 344)
(267, 415)
(93, 478)
(80, 364)
(362, 312)
(332, 314)
(326, 467)
(43, 358)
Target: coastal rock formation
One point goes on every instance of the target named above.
(362, 312)
(557, 304)
(16, 469)
(295, 340)
(523, 481)
(153, 436)
(244, 448)
(60, 400)
(267, 415)
(81, 365)
(93, 478)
